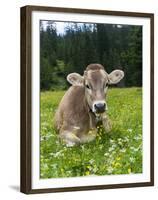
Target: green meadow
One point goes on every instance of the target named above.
(116, 152)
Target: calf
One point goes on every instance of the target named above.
(84, 104)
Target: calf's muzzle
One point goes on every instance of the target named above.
(100, 107)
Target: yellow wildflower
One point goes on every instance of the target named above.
(87, 172)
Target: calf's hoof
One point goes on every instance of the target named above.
(70, 139)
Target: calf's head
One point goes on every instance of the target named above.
(95, 80)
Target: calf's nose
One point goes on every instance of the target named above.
(100, 107)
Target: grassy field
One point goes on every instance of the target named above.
(118, 152)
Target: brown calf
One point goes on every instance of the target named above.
(84, 104)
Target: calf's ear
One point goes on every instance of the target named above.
(115, 76)
(75, 79)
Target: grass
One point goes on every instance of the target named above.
(118, 152)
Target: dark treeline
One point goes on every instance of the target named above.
(113, 46)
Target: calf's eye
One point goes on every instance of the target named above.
(87, 86)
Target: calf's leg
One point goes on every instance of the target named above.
(90, 136)
(69, 138)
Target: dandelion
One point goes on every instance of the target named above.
(87, 172)
(113, 163)
(117, 165)
(118, 158)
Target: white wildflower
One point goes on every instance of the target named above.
(106, 154)
(120, 143)
(54, 166)
(110, 170)
(132, 159)
(134, 149)
(123, 150)
(138, 137)
(45, 165)
(91, 161)
(82, 147)
(126, 139)
(57, 154)
(111, 149)
(129, 130)
(111, 141)
(101, 146)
